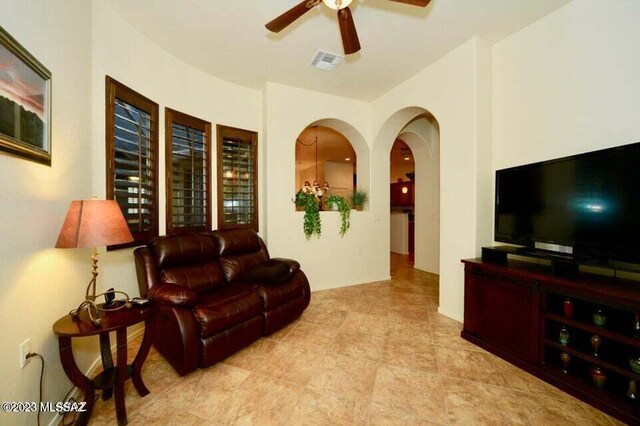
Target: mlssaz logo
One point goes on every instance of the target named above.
(63, 407)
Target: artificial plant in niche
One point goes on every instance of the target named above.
(311, 224)
(338, 202)
(358, 198)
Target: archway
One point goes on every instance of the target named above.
(420, 130)
(325, 161)
(359, 145)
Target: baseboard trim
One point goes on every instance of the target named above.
(334, 286)
(57, 418)
(449, 314)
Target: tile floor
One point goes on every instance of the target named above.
(372, 354)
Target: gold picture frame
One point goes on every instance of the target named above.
(25, 103)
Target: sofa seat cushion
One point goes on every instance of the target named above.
(276, 295)
(224, 308)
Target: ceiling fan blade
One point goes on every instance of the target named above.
(287, 18)
(421, 3)
(348, 31)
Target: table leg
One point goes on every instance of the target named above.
(107, 360)
(140, 357)
(77, 378)
(121, 376)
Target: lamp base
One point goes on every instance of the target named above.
(93, 309)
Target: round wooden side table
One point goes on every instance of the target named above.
(111, 379)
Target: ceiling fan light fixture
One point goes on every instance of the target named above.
(337, 4)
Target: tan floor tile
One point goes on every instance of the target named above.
(188, 396)
(544, 409)
(351, 378)
(156, 416)
(399, 328)
(409, 393)
(253, 357)
(283, 332)
(318, 295)
(364, 323)
(379, 417)
(330, 317)
(375, 354)
(450, 337)
(469, 365)
(414, 354)
(357, 345)
(310, 335)
(291, 363)
(523, 381)
(472, 403)
(412, 313)
(259, 400)
(315, 408)
(378, 307)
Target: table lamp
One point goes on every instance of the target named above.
(94, 223)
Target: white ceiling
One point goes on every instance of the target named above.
(228, 39)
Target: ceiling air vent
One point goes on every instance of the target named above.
(326, 61)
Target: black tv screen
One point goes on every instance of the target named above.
(589, 201)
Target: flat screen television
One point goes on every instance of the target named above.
(590, 202)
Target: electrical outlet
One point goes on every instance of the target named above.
(23, 350)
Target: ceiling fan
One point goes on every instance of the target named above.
(345, 19)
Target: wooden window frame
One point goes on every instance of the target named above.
(172, 116)
(247, 136)
(115, 89)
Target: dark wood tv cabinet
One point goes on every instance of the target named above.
(545, 324)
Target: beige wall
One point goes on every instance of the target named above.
(330, 261)
(340, 177)
(124, 54)
(39, 284)
(566, 84)
(569, 83)
(448, 89)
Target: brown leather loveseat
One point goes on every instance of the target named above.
(217, 293)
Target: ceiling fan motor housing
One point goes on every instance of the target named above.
(337, 4)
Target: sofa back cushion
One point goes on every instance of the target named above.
(240, 251)
(199, 278)
(189, 260)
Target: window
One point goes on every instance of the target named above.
(132, 159)
(188, 163)
(237, 178)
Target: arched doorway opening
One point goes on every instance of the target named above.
(419, 130)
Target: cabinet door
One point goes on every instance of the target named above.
(502, 310)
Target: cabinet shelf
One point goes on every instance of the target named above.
(515, 310)
(593, 360)
(600, 331)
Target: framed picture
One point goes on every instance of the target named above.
(25, 103)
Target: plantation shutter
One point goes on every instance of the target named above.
(188, 149)
(132, 157)
(237, 179)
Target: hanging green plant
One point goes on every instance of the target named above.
(311, 224)
(340, 203)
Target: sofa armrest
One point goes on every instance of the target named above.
(145, 270)
(173, 295)
(293, 265)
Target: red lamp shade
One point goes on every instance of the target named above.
(93, 223)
